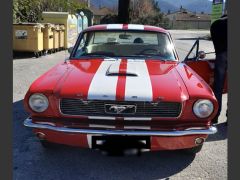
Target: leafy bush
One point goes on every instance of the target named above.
(147, 12)
(109, 19)
(31, 10)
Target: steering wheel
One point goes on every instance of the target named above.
(144, 51)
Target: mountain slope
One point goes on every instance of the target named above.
(106, 3)
(165, 5)
(191, 5)
(204, 6)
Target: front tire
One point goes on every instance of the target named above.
(193, 150)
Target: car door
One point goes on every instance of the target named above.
(203, 65)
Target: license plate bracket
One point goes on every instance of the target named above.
(120, 142)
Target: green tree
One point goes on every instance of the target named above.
(31, 10)
(15, 11)
(147, 12)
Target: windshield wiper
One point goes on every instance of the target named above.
(104, 53)
(138, 55)
(90, 55)
(146, 56)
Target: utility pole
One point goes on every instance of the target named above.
(225, 7)
(88, 3)
(123, 11)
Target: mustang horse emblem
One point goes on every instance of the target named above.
(118, 109)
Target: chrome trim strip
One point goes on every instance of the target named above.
(100, 126)
(137, 118)
(211, 130)
(101, 117)
(138, 127)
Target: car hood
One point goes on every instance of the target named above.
(123, 80)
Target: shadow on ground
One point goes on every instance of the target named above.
(220, 135)
(23, 55)
(31, 161)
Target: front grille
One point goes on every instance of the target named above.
(78, 107)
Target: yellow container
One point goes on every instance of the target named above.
(28, 37)
(48, 36)
(61, 36)
(56, 37)
(69, 21)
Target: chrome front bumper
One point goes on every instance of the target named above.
(193, 131)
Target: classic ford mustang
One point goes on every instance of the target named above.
(125, 81)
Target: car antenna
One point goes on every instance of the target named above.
(66, 58)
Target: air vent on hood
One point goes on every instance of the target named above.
(115, 70)
(121, 74)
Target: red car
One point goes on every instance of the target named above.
(124, 82)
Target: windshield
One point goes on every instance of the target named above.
(125, 44)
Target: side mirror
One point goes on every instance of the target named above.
(201, 54)
(70, 50)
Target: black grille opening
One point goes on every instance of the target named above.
(79, 107)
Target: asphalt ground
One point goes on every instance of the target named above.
(32, 162)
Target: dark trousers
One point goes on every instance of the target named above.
(219, 77)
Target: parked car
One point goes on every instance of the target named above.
(125, 82)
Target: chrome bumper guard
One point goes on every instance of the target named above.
(192, 131)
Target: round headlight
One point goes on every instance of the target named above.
(203, 108)
(38, 102)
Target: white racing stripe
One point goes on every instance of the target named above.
(135, 26)
(89, 140)
(103, 87)
(114, 26)
(138, 88)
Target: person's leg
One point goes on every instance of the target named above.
(219, 78)
(227, 117)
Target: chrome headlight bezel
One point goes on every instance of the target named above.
(208, 107)
(38, 102)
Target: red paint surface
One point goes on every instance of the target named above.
(157, 142)
(154, 28)
(120, 90)
(170, 82)
(70, 139)
(205, 71)
(79, 79)
(125, 26)
(121, 84)
(165, 81)
(96, 27)
(173, 143)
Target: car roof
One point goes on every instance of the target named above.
(138, 27)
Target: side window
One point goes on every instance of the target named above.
(81, 46)
(166, 48)
(82, 42)
(193, 53)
